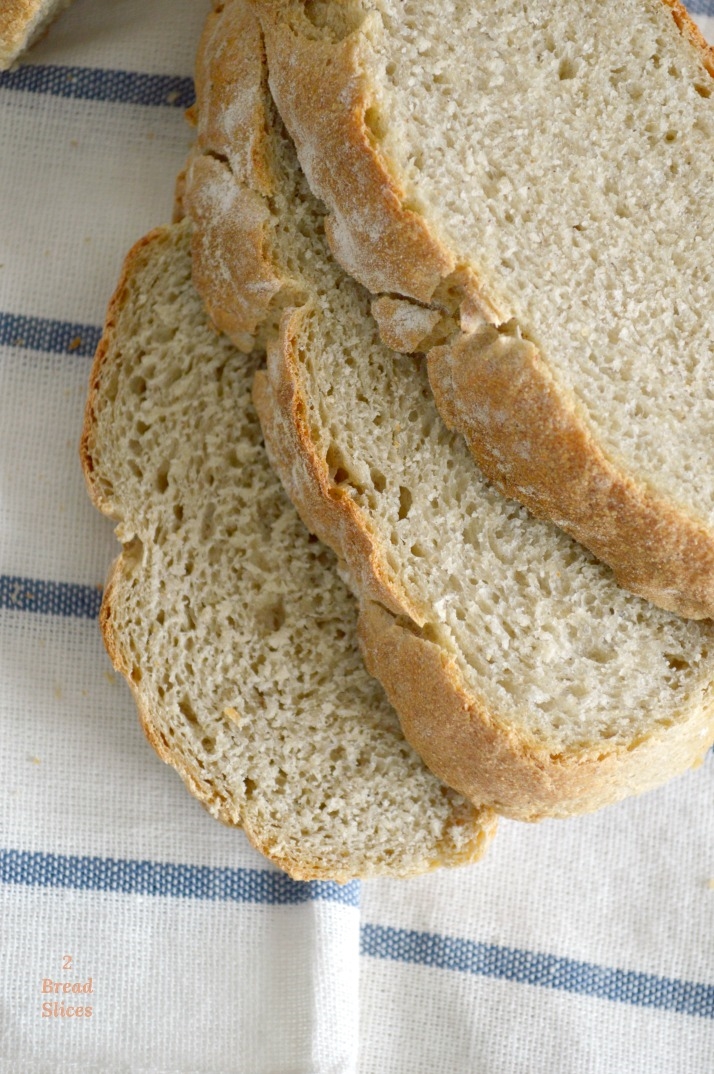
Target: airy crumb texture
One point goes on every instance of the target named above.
(576, 168)
(562, 153)
(229, 622)
(22, 22)
(570, 692)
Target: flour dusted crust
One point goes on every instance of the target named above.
(22, 22)
(656, 547)
(222, 252)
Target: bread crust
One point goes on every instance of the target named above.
(389, 247)
(472, 750)
(327, 509)
(545, 456)
(232, 269)
(21, 23)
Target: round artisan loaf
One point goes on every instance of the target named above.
(522, 673)
(231, 625)
(542, 172)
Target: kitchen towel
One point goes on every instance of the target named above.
(583, 947)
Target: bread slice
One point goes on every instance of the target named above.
(22, 22)
(522, 673)
(542, 173)
(229, 622)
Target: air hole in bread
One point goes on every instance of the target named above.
(405, 502)
(162, 477)
(378, 480)
(375, 124)
(567, 69)
(188, 711)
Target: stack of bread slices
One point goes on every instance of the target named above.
(474, 261)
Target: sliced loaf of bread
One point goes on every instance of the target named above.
(541, 174)
(230, 624)
(522, 673)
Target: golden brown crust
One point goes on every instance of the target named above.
(326, 508)
(229, 176)
(655, 548)
(496, 391)
(232, 269)
(325, 102)
(15, 16)
(18, 19)
(136, 257)
(469, 748)
(691, 31)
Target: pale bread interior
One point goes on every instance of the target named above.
(565, 151)
(565, 659)
(231, 623)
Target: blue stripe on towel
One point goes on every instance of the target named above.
(44, 334)
(534, 968)
(50, 598)
(98, 84)
(265, 887)
(168, 879)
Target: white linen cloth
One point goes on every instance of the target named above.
(583, 947)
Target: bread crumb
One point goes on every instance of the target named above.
(34, 760)
(76, 342)
(111, 678)
(711, 884)
(234, 715)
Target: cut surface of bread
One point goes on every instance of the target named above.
(543, 171)
(22, 22)
(522, 673)
(230, 623)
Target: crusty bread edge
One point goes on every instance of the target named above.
(463, 743)
(389, 247)
(21, 27)
(326, 508)
(545, 457)
(459, 735)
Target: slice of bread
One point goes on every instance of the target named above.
(229, 622)
(22, 22)
(542, 173)
(522, 673)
